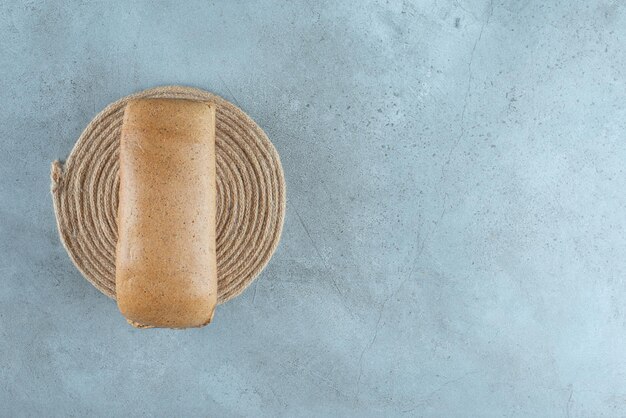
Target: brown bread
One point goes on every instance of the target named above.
(166, 274)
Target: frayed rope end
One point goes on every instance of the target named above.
(56, 175)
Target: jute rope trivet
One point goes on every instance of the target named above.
(250, 194)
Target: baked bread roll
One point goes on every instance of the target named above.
(166, 272)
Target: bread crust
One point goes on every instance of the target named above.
(166, 271)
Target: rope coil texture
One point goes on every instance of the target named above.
(250, 194)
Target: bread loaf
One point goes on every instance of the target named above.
(166, 273)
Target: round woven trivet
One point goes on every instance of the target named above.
(250, 194)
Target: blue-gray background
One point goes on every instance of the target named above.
(455, 236)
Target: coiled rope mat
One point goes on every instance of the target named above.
(250, 194)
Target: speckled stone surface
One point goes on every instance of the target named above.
(454, 242)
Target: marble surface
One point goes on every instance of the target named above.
(455, 236)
